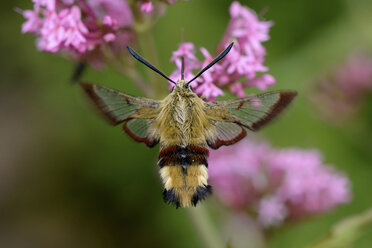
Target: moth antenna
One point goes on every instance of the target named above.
(143, 61)
(182, 67)
(78, 71)
(223, 54)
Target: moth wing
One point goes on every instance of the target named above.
(251, 112)
(137, 113)
(227, 133)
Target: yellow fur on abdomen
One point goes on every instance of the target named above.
(184, 184)
(184, 175)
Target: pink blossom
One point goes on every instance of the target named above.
(237, 89)
(109, 37)
(276, 184)
(187, 51)
(49, 4)
(33, 23)
(64, 29)
(242, 67)
(110, 22)
(75, 30)
(340, 94)
(147, 7)
(271, 211)
(308, 186)
(209, 91)
(118, 10)
(80, 27)
(262, 82)
(68, 2)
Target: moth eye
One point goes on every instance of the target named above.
(188, 86)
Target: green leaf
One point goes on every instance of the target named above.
(346, 232)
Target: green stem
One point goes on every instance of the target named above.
(205, 229)
(147, 43)
(128, 70)
(133, 74)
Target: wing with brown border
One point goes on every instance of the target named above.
(137, 113)
(252, 112)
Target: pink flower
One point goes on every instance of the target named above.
(75, 30)
(242, 67)
(80, 27)
(118, 10)
(187, 51)
(308, 186)
(209, 91)
(33, 23)
(276, 184)
(147, 7)
(271, 211)
(340, 94)
(262, 82)
(49, 4)
(64, 29)
(110, 22)
(109, 37)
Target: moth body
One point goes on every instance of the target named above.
(185, 126)
(181, 124)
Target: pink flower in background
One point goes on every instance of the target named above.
(272, 211)
(276, 184)
(86, 28)
(341, 93)
(118, 10)
(49, 4)
(147, 6)
(64, 29)
(33, 22)
(209, 90)
(80, 28)
(186, 50)
(242, 67)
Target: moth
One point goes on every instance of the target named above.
(185, 126)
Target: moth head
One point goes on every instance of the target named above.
(181, 83)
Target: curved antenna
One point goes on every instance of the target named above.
(223, 54)
(140, 59)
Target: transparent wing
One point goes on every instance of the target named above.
(137, 113)
(227, 133)
(251, 112)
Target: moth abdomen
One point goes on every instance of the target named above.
(201, 193)
(184, 173)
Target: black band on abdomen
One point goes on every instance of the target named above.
(183, 155)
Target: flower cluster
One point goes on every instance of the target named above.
(275, 184)
(242, 67)
(79, 27)
(85, 28)
(340, 94)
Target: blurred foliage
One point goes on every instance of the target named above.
(346, 232)
(71, 180)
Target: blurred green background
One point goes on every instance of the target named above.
(68, 179)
